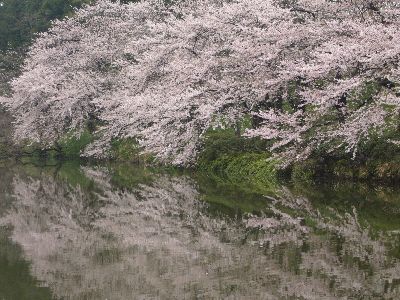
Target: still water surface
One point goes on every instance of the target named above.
(120, 232)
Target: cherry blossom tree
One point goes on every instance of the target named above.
(356, 52)
(164, 74)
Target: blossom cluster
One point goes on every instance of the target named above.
(164, 74)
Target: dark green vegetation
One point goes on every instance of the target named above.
(20, 20)
(377, 159)
(6, 147)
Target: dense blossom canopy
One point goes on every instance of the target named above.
(311, 72)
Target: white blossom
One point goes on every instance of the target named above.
(165, 74)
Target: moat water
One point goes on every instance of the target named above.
(75, 231)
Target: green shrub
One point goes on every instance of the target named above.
(128, 150)
(125, 149)
(219, 142)
(305, 171)
(72, 145)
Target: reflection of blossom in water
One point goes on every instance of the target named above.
(158, 241)
(360, 267)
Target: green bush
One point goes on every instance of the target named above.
(128, 150)
(72, 145)
(219, 142)
(305, 171)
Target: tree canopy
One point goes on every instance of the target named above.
(312, 73)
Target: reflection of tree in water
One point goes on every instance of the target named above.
(158, 241)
